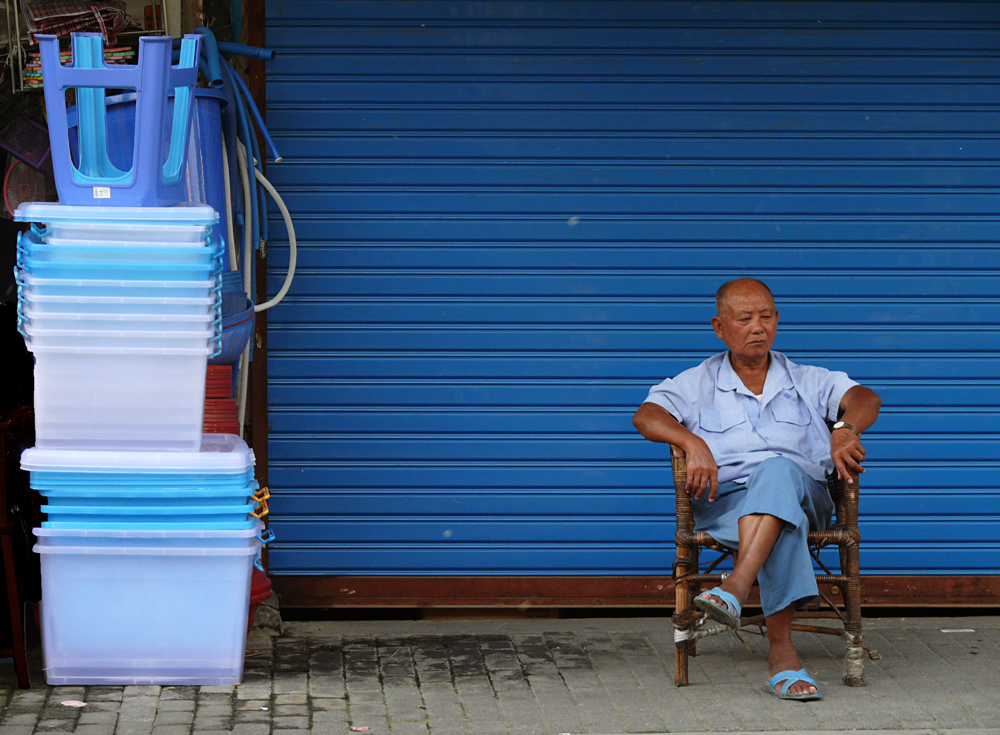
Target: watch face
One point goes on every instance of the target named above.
(838, 425)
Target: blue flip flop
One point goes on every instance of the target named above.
(791, 677)
(728, 614)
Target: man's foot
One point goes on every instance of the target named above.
(720, 606)
(786, 659)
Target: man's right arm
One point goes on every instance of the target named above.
(658, 425)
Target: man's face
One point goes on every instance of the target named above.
(747, 322)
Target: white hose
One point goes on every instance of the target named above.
(241, 386)
(230, 237)
(292, 246)
(244, 166)
(242, 382)
(241, 377)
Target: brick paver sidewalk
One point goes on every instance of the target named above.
(540, 676)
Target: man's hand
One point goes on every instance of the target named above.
(702, 472)
(847, 453)
(658, 425)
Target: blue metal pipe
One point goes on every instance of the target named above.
(258, 160)
(246, 136)
(261, 214)
(212, 54)
(239, 49)
(252, 106)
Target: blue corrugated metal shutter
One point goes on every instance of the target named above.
(512, 217)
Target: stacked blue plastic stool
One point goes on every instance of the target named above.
(152, 528)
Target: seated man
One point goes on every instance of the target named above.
(753, 426)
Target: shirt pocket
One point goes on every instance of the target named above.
(718, 422)
(791, 413)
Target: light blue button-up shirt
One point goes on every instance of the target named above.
(742, 431)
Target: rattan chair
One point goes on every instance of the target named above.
(690, 624)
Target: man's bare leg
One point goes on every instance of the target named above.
(758, 533)
(782, 655)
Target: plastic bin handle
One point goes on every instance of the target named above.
(266, 536)
(261, 511)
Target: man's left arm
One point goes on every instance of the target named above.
(859, 407)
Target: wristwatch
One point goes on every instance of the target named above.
(845, 425)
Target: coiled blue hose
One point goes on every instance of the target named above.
(236, 120)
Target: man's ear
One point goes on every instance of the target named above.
(717, 326)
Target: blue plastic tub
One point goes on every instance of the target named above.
(203, 176)
(48, 482)
(175, 514)
(134, 498)
(153, 525)
(151, 255)
(119, 271)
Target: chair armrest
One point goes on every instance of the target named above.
(678, 462)
(846, 497)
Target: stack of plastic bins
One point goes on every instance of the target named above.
(121, 308)
(145, 599)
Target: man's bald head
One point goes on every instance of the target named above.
(739, 285)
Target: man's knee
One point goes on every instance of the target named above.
(777, 469)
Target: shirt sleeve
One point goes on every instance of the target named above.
(668, 396)
(826, 388)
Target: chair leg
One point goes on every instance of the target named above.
(14, 603)
(682, 618)
(692, 592)
(854, 665)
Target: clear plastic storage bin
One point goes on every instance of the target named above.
(121, 614)
(120, 338)
(118, 322)
(104, 287)
(119, 398)
(125, 538)
(217, 457)
(152, 305)
(183, 223)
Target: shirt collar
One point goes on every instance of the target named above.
(777, 379)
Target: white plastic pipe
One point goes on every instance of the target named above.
(241, 377)
(241, 386)
(242, 382)
(230, 237)
(292, 245)
(244, 167)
